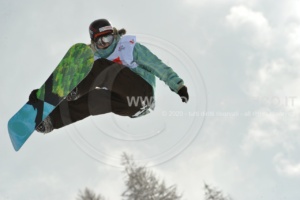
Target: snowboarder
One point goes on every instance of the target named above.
(122, 80)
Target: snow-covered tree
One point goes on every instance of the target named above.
(89, 195)
(142, 184)
(214, 194)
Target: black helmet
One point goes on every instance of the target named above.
(100, 27)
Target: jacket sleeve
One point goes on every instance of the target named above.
(150, 62)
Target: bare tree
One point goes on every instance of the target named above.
(214, 194)
(89, 195)
(142, 184)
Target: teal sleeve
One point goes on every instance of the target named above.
(150, 62)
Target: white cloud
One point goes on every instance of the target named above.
(275, 85)
(240, 15)
(285, 166)
(271, 129)
(254, 25)
(273, 80)
(292, 32)
(292, 8)
(263, 131)
(275, 134)
(270, 79)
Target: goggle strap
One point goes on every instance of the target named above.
(102, 33)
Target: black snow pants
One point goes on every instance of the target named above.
(109, 87)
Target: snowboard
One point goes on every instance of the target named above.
(71, 70)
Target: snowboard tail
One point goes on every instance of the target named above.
(72, 69)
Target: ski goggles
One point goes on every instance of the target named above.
(105, 40)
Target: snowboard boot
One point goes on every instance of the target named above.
(45, 126)
(73, 95)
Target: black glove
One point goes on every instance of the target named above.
(183, 94)
(32, 97)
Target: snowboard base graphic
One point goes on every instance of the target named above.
(71, 70)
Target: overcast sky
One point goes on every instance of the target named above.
(240, 131)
